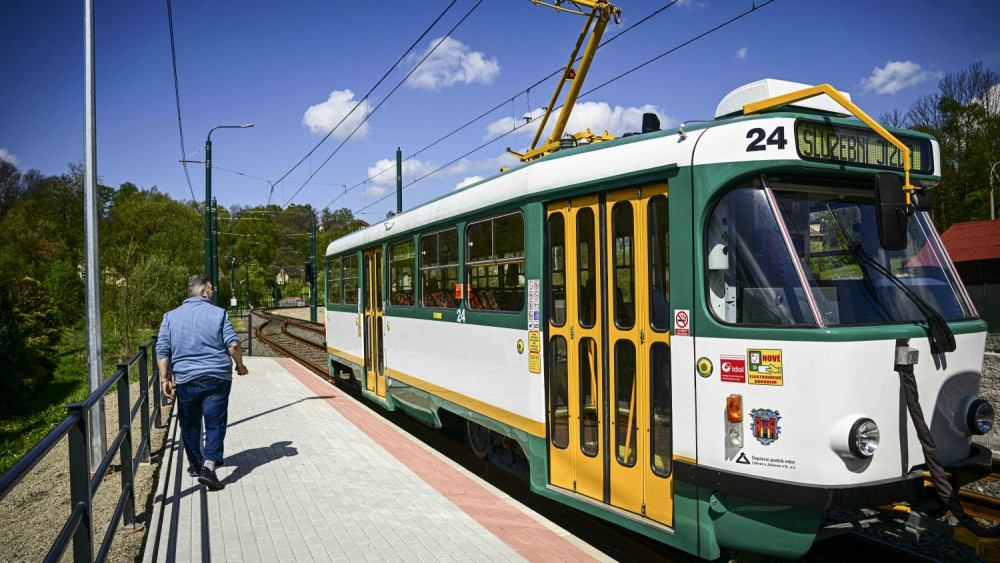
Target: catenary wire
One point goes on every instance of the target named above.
(384, 76)
(386, 98)
(177, 97)
(505, 102)
(622, 75)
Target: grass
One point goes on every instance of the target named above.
(20, 431)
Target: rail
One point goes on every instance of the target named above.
(79, 526)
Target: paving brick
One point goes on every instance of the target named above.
(301, 461)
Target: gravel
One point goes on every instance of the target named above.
(35, 511)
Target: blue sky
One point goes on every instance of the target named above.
(294, 68)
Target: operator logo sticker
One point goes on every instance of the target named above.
(764, 367)
(733, 368)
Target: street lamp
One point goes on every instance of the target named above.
(209, 240)
(993, 214)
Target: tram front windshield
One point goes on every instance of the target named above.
(759, 283)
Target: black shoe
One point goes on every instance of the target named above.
(193, 471)
(209, 479)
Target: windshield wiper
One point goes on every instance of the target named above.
(938, 332)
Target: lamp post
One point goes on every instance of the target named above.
(208, 197)
(993, 214)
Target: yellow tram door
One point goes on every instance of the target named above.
(576, 429)
(638, 277)
(373, 323)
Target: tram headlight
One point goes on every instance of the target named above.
(979, 419)
(863, 438)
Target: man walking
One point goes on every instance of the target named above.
(198, 339)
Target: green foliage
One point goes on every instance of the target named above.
(964, 116)
(64, 284)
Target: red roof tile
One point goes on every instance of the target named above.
(976, 240)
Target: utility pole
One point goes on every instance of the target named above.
(209, 239)
(275, 296)
(95, 358)
(215, 252)
(315, 273)
(232, 278)
(248, 278)
(399, 182)
(993, 207)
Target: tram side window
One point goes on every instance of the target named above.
(333, 281)
(351, 279)
(557, 267)
(439, 269)
(658, 224)
(558, 392)
(660, 430)
(401, 261)
(624, 243)
(625, 415)
(587, 259)
(495, 264)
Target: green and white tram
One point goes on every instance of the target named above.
(692, 333)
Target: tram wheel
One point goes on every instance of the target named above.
(478, 438)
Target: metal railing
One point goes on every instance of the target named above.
(79, 526)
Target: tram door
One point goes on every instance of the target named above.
(576, 378)
(373, 305)
(610, 307)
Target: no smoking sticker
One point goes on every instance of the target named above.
(682, 321)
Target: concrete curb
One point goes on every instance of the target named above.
(152, 544)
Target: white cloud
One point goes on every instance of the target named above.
(597, 116)
(321, 118)
(375, 191)
(6, 155)
(450, 63)
(468, 182)
(741, 53)
(895, 76)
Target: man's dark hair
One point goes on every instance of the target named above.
(196, 283)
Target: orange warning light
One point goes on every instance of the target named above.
(734, 408)
(458, 291)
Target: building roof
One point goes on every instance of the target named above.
(975, 240)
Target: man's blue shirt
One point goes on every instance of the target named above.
(195, 337)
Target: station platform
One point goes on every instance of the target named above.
(310, 474)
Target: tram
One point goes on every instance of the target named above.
(694, 333)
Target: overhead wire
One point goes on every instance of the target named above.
(366, 96)
(177, 98)
(386, 98)
(622, 75)
(506, 101)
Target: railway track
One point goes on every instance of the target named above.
(305, 342)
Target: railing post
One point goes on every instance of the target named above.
(157, 399)
(79, 482)
(125, 423)
(144, 411)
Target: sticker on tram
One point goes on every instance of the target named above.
(534, 341)
(534, 362)
(764, 424)
(733, 368)
(682, 321)
(764, 367)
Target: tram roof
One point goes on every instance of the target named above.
(589, 164)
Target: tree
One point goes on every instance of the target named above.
(12, 351)
(964, 116)
(66, 287)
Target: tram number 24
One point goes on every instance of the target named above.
(776, 138)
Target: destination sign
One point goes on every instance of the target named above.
(857, 146)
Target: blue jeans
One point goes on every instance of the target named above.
(206, 397)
